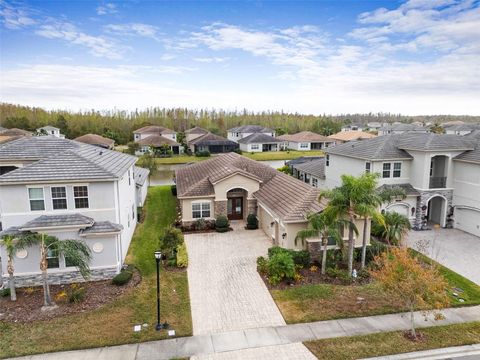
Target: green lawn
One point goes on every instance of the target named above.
(394, 342)
(263, 156)
(113, 324)
(324, 301)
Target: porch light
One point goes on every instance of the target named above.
(272, 223)
(284, 235)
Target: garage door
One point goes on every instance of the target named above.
(400, 209)
(468, 220)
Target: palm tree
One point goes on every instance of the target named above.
(323, 226)
(76, 250)
(12, 244)
(395, 228)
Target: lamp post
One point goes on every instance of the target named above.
(160, 326)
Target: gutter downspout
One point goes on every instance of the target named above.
(119, 236)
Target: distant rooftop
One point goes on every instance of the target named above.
(259, 138)
(251, 129)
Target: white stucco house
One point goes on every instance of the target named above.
(240, 132)
(50, 130)
(439, 173)
(400, 128)
(305, 141)
(461, 129)
(70, 190)
(260, 142)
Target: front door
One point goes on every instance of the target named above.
(235, 208)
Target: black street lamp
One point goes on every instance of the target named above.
(160, 326)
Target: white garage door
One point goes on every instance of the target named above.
(400, 209)
(468, 220)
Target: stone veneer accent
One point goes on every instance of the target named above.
(220, 208)
(252, 207)
(423, 199)
(314, 247)
(66, 277)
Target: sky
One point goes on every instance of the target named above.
(413, 57)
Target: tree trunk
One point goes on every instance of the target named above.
(364, 242)
(11, 279)
(412, 320)
(324, 255)
(350, 246)
(47, 300)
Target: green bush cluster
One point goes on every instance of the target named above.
(252, 222)
(5, 292)
(76, 293)
(182, 256)
(124, 276)
(173, 188)
(170, 240)
(202, 154)
(279, 267)
(222, 224)
(299, 257)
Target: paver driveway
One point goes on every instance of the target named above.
(226, 292)
(452, 248)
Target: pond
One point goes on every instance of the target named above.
(164, 173)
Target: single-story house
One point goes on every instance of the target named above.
(260, 142)
(345, 136)
(310, 172)
(50, 130)
(306, 140)
(212, 143)
(97, 140)
(157, 142)
(194, 133)
(353, 127)
(235, 186)
(142, 183)
(463, 129)
(150, 130)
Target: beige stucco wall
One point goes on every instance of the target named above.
(236, 181)
(186, 206)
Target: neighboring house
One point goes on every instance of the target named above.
(373, 126)
(142, 183)
(157, 143)
(51, 131)
(240, 132)
(234, 186)
(14, 132)
(212, 143)
(306, 140)
(150, 130)
(353, 127)
(441, 174)
(69, 190)
(400, 128)
(194, 133)
(260, 142)
(310, 172)
(97, 140)
(346, 136)
(301, 160)
(463, 129)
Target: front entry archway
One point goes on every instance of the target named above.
(236, 199)
(437, 210)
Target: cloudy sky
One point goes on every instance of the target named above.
(410, 57)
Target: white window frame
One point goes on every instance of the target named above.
(255, 146)
(81, 197)
(314, 182)
(36, 199)
(59, 198)
(202, 210)
(385, 170)
(368, 167)
(397, 170)
(303, 145)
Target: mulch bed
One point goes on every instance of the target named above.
(28, 307)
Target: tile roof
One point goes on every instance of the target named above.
(463, 127)
(140, 174)
(403, 127)
(304, 136)
(196, 130)
(432, 142)
(472, 156)
(16, 132)
(48, 221)
(409, 189)
(211, 139)
(290, 198)
(157, 141)
(94, 139)
(315, 168)
(251, 129)
(154, 129)
(351, 135)
(101, 227)
(35, 148)
(259, 138)
(302, 159)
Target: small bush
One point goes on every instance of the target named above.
(280, 266)
(222, 224)
(5, 292)
(274, 250)
(301, 257)
(173, 189)
(334, 258)
(202, 154)
(172, 261)
(182, 256)
(170, 239)
(262, 265)
(339, 274)
(76, 293)
(122, 278)
(252, 222)
(200, 224)
(238, 151)
(376, 248)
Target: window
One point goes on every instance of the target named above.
(80, 193)
(133, 212)
(59, 197)
(52, 259)
(327, 160)
(397, 169)
(254, 147)
(431, 167)
(129, 180)
(303, 145)
(368, 167)
(36, 199)
(315, 182)
(307, 178)
(201, 210)
(386, 170)
(69, 262)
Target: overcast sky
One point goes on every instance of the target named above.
(413, 57)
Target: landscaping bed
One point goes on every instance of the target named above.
(29, 302)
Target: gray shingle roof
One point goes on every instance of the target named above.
(251, 129)
(16, 132)
(315, 168)
(196, 130)
(305, 136)
(157, 141)
(259, 138)
(14, 230)
(432, 142)
(140, 174)
(211, 139)
(403, 127)
(101, 227)
(35, 148)
(302, 159)
(48, 221)
(408, 188)
(154, 129)
(94, 139)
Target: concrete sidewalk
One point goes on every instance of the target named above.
(471, 352)
(232, 341)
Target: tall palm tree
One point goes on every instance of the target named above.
(323, 226)
(395, 228)
(76, 250)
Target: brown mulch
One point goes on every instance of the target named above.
(28, 307)
(421, 337)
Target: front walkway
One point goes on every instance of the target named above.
(455, 249)
(274, 342)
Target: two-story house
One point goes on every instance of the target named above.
(51, 131)
(462, 129)
(156, 137)
(69, 190)
(435, 170)
(240, 132)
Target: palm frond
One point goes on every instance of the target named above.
(78, 252)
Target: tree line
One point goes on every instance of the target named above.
(119, 125)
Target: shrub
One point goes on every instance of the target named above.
(172, 261)
(170, 239)
(334, 258)
(339, 274)
(5, 292)
(173, 188)
(301, 257)
(222, 224)
(280, 266)
(252, 222)
(376, 248)
(202, 154)
(274, 250)
(76, 293)
(262, 265)
(286, 170)
(200, 224)
(123, 278)
(238, 151)
(182, 255)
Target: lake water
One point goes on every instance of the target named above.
(164, 173)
